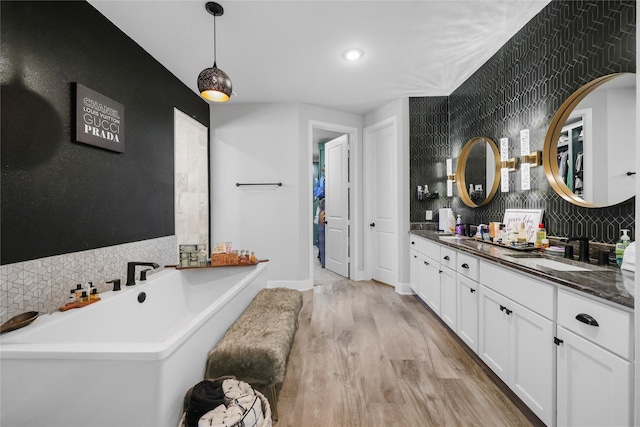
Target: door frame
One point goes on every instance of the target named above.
(355, 235)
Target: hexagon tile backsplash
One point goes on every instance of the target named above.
(43, 284)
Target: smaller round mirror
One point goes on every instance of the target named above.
(477, 174)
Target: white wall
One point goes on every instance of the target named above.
(267, 143)
(255, 143)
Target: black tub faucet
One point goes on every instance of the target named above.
(131, 271)
(583, 254)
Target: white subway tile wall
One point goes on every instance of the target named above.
(43, 284)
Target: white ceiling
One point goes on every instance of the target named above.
(290, 51)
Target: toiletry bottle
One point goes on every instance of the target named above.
(94, 294)
(72, 296)
(621, 246)
(541, 234)
(459, 226)
(253, 258)
(522, 234)
(452, 224)
(78, 292)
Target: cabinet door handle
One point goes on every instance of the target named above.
(557, 341)
(373, 224)
(413, 243)
(472, 290)
(415, 256)
(585, 318)
(505, 309)
(440, 271)
(426, 263)
(446, 257)
(465, 265)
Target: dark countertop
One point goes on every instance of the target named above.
(604, 282)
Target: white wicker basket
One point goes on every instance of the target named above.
(266, 411)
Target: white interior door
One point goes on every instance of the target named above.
(336, 192)
(381, 201)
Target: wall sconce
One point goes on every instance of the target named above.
(506, 164)
(451, 177)
(534, 159)
(511, 165)
(213, 83)
(525, 173)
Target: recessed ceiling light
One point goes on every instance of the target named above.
(352, 54)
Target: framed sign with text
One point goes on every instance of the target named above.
(99, 120)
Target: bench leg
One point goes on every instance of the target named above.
(274, 402)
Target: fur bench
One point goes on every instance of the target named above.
(256, 347)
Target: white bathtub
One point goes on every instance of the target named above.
(119, 362)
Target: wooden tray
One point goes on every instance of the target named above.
(73, 305)
(177, 267)
(18, 321)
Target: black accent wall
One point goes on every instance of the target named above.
(59, 196)
(568, 44)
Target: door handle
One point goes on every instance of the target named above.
(585, 318)
(373, 224)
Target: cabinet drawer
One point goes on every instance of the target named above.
(448, 257)
(615, 327)
(468, 265)
(428, 248)
(523, 289)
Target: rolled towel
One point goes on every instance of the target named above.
(222, 417)
(205, 396)
(240, 394)
(233, 389)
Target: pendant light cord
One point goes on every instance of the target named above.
(214, 41)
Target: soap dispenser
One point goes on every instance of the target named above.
(621, 246)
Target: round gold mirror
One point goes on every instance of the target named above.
(590, 148)
(478, 172)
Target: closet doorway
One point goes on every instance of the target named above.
(331, 199)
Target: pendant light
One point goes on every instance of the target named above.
(213, 83)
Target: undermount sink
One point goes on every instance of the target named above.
(534, 260)
(449, 237)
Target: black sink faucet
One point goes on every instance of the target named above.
(583, 254)
(131, 271)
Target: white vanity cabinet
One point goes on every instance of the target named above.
(467, 268)
(595, 371)
(448, 288)
(516, 332)
(413, 264)
(429, 273)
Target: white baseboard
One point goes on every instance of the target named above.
(404, 289)
(300, 285)
(359, 275)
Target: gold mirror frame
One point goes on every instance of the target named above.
(550, 150)
(460, 171)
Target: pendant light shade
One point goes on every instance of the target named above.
(213, 83)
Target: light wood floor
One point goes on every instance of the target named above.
(366, 356)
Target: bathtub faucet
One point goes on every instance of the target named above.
(131, 270)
